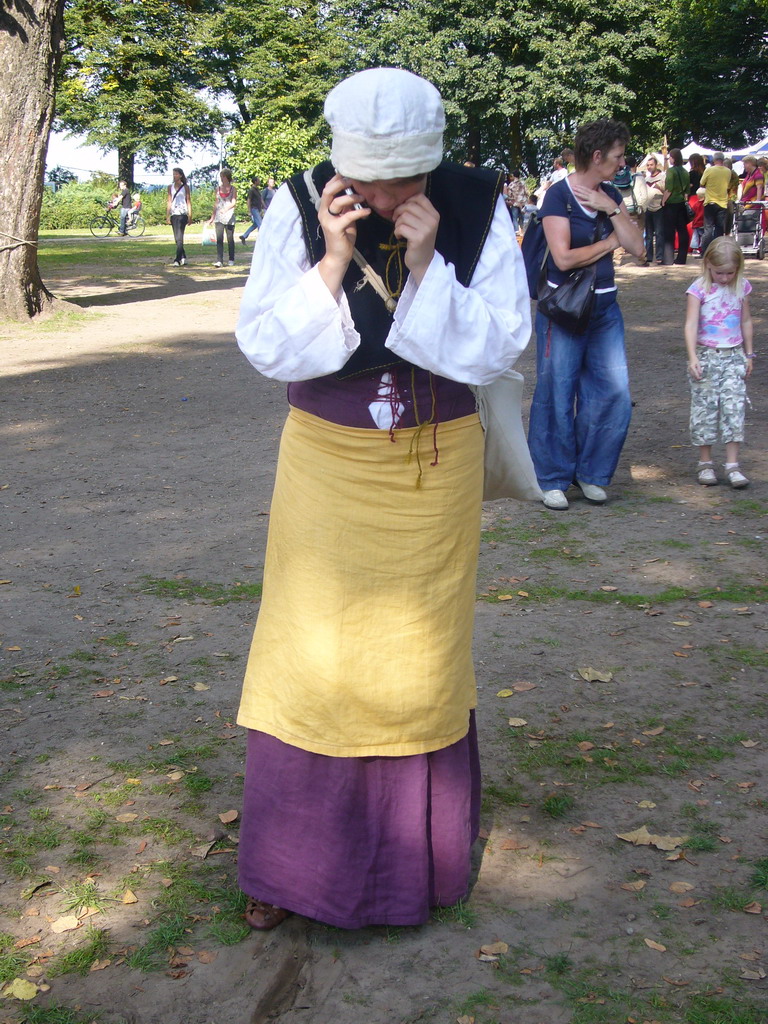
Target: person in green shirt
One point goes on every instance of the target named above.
(675, 215)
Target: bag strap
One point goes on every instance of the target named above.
(373, 279)
(569, 208)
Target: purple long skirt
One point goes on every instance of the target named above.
(359, 841)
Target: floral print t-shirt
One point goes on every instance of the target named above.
(720, 314)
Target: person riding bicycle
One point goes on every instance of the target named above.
(123, 199)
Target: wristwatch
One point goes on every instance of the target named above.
(615, 212)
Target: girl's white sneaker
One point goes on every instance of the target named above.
(555, 499)
(736, 478)
(706, 474)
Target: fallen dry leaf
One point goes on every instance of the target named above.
(516, 723)
(748, 743)
(495, 948)
(227, 817)
(130, 897)
(104, 693)
(206, 957)
(672, 981)
(200, 687)
(655, 945)
(681, 887)
(637, 886)
(99, 965)
(128, 816)
(654, 732)
(757, 974)
(165, 743)
(22, 943)
(523, 687)
(753, 908)
(753, 956)
(504, 597)
(609, 590)
(20, 989)
(506, 693)
(642, 837)
(681, 622)
(647, 805)
(465, 1020)
(65, 924)
(595, 675)
(512, 844)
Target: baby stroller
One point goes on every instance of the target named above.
(748, 228)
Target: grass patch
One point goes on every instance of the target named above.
(153, 955)
(753, 657)
(83, 896)
(459, 913)
(192, 590)
(557, 805)
(166, 830)
(730, 898)
(552, 554)
(759, 879)
(80, 960)
(735, 593)
(12, 961)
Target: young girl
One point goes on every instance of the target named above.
(718, 341)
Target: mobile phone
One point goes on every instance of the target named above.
(350, 192)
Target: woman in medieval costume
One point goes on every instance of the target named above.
(383, 283)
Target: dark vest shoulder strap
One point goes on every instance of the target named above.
(310, 225)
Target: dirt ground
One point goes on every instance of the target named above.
(626, 644)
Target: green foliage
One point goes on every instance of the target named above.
(509, 83)
(273, 147)
(130, 79)
(718, 74)
(76, 203)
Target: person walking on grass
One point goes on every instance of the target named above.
(718, 342)
(179, 213)
(223, 217)
(255, 207)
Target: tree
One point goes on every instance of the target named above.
(717, 55)
(130, 80)
(517, 82)
(280, 149)
(30, 38)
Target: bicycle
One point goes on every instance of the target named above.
(105, 223)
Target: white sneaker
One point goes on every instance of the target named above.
(175, 263)
(595, 495)
(183, 261)
(736, 478)
(706, 474)
(217, 263)
(554, 499)
(231, 263)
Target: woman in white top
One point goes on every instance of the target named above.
(223, 216)
(179, 212)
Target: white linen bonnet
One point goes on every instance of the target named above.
(386, 123)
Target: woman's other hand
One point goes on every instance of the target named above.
(416, 220)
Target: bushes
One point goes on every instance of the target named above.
(75, 205)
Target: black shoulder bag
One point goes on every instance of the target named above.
(569, 304)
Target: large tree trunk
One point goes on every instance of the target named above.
(30, 37)
(125, 164)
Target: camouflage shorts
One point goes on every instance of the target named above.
(718, 399)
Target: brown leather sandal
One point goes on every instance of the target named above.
(264, 916)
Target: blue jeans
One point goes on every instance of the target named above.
(124, 211)
(256, 218)
(581, 406)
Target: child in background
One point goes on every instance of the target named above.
(718, 342)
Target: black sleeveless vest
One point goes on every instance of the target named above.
(465, 198)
